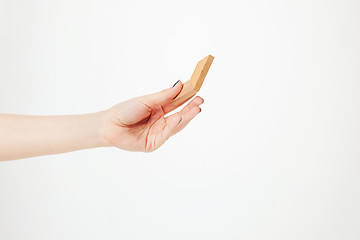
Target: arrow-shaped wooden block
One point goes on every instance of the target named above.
(192, 86)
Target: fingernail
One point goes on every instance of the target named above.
(176, 83)
(180, 121)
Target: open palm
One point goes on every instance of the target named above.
(140, 124)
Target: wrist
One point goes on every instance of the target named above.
(101, 140)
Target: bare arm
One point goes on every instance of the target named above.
(138, 124)
(27, 136)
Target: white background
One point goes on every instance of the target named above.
(273, 155)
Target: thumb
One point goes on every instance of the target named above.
(131, 111)
(167, 95)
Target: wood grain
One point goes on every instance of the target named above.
(192, 86)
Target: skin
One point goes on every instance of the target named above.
(138, 124)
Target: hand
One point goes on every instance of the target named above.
(140, 124)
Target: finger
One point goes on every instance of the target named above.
(186, 118)
(186, 114)
(197, 101)
(170, 107)
(171, 125)
(166, 96)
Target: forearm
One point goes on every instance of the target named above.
(28, 136)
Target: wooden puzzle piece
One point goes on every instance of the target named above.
(192, 86)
